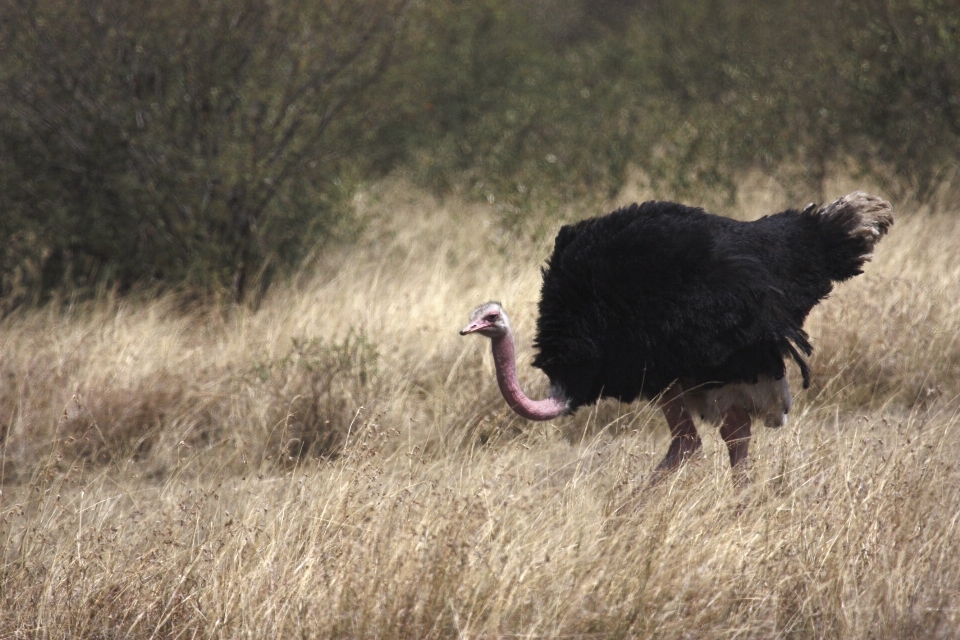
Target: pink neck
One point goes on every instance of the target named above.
(505, 360)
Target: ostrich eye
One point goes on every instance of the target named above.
(492, 317)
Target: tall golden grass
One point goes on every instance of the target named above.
(339, 463)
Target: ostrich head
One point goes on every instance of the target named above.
(488, 320)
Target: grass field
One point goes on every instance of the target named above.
(339, 463)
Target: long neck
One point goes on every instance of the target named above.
(505, 360)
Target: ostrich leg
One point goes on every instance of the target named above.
(685, 440)
(735, 431)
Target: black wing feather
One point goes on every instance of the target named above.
(653, 293)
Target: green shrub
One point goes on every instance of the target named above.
(178, 143)
(209, 145)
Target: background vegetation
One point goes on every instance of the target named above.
(207, 146)
(328, 458)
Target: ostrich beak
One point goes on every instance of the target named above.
(474, 326)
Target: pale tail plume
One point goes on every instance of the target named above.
(874, 216)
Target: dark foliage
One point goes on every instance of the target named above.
(213, 146)
(198, 145)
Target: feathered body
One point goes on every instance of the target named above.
(656, 293)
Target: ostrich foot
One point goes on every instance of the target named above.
(681, 448)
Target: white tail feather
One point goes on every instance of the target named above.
(875, 215)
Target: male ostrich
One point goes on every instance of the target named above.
(696, 311)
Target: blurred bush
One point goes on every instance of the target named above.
(199, 144)
(512, 102)
(798, 87)
(556, 99)
(207, 145)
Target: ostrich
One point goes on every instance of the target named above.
(694, 311)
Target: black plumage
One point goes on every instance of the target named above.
(656, 293)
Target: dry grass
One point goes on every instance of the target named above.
(340, 464)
